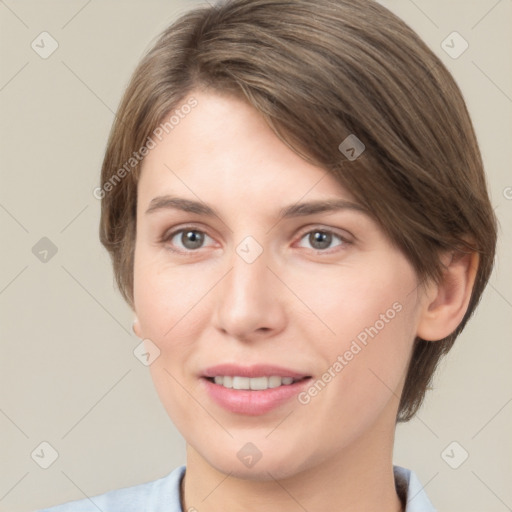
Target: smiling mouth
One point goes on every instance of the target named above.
(253, 383)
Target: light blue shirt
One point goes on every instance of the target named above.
(163, 495)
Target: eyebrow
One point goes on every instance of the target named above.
(294, 210)
(178, 203)
(320, 206)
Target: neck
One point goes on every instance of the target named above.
(356, 479)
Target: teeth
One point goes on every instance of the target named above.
(274, 382)
(254, 383)
(258, 383)
(241, 383)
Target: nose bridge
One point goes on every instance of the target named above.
(245, 302)
(249, 276)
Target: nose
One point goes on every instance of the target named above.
(249, 304)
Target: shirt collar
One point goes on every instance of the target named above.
(407, 483)
(413, 493)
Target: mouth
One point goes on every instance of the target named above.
(253, 390)
(253, 383)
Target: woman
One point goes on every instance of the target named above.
(295, 205)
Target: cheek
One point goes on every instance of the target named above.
(168, 303)
(362, 302)
(369, 380)
(373, 316)
(167, 298)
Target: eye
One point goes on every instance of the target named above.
(187, 239)
(321, 239)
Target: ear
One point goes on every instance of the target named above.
(136, 328)
(446, 303)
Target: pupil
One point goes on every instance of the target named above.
(320, 240)
(192, 239)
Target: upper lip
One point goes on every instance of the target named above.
(256, 370)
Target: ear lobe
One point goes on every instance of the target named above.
(136, 328)
(447, 303)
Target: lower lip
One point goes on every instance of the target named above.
(249, 402)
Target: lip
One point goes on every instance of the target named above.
(252, 402)
(256, 370)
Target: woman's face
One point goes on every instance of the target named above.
(254, 269)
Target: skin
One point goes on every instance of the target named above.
(297, 306)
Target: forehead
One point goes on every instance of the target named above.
(224, 149)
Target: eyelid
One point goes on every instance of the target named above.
(343, 245)
(170, 233)
(193, 226)
(345, 235)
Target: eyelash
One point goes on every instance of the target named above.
(167, 237)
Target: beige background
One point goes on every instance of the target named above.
(68, 374)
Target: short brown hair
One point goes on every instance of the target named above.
(318, 72)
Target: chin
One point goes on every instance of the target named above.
(274, 466)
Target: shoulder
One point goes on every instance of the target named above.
(155, 496)
(411, 491)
